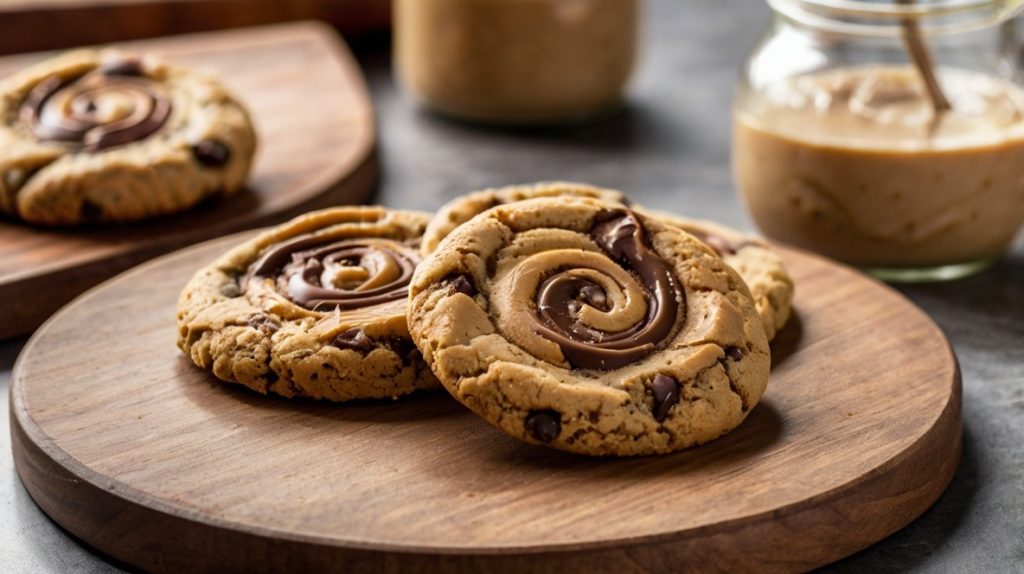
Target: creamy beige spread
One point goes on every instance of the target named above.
(516, 61)
(853, 163)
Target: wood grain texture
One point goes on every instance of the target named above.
(122, 441)
(316, 134)
(29, 25)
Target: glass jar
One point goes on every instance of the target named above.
(842, 143)
(516, 61)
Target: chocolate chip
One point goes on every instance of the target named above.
(211, 153)
(405, 349)
(734, 353)
(544, 426)
(123, 66)
(401, 347)
(354, 339)
(263, 323)
(462, 284)
(89, 211)
(666, 393)
(414, 356)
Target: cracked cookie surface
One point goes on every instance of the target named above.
(315, 308)
(92, 137)
(758, 265)
(590, 328)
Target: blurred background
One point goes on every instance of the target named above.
(29, 25)
(669, 147)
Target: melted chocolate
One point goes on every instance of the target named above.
(379, 270)
(69, 110)
(561, 296)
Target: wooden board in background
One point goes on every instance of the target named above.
(316, 134)
(30, 25)
(123, 442)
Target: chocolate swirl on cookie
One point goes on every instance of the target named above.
(579, 306)
(110, 106)
(344, 274)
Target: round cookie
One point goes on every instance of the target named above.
(759, 266)
(757, 263)
(104, 137)
(590, 328)
(465, 207)
(313, 308)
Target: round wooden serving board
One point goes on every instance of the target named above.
(316, 134)
(122, 441)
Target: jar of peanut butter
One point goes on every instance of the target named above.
(516, 61)
(886, 134)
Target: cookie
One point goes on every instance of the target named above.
(313, 308)
(104, 137)
(759, 266)
(590, 328)
(757, 263)
(463, 208)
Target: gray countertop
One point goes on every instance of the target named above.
(670, 150)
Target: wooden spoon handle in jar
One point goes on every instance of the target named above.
(922, 58)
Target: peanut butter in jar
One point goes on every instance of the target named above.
(516, 61)
(888, 134)
(853, 164)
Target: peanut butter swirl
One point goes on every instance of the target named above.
(575, 308)
(101, 109)
(320, 274)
